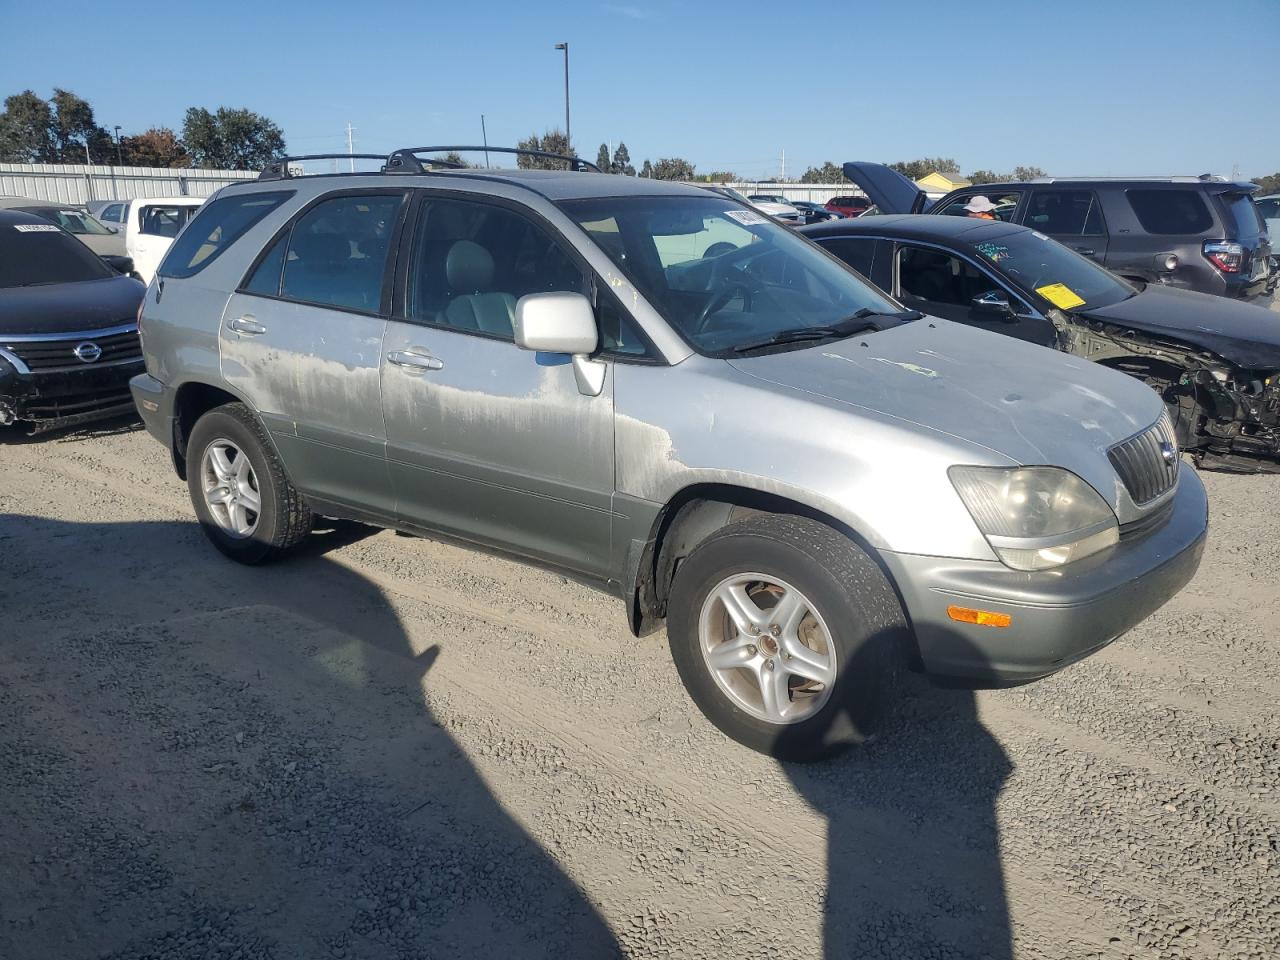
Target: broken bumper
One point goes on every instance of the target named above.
(48, 399)
(1056, 616)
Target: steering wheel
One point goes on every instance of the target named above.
(719, 300)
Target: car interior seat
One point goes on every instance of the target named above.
(473, 305)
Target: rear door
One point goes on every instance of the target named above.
(1071, 216)
(484, 439)
(302, 340)
(942, 284)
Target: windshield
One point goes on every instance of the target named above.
(723, 276)
(70, 219)
(1046, 268)
(33, 254)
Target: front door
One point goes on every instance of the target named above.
(939, 283)
(302, 340)
(485, 440)
(1072, 217)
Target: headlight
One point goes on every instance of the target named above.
(1036, 517)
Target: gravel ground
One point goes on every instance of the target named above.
(389, 747)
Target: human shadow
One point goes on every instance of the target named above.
(203, 759)
(913, 853)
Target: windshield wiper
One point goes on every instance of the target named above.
(856, 323)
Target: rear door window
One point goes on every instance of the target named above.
(1170, 212)
(217, 225)
(857, 252)
(1064, 213)
(338, 252)
(164, 221)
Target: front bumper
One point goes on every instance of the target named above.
(1058, 616)
(46, 400)
(154, 403)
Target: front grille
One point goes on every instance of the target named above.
(1148, 462)
(57, 352)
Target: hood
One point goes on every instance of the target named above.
(1030, 404)
(70, 307)
(889, 190)
(1241, 333)
(104, 245)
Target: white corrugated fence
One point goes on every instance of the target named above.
(80, 183)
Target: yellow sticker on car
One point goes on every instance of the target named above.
(1061, 296)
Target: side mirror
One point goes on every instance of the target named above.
(119, 264)
(562, 323)
(994, 304)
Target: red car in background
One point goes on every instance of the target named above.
(849, 206)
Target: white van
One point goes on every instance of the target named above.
(149, 225)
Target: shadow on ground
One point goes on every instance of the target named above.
(200, 760)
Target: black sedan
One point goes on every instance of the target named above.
(814, 212)
(1216, 362)
(68, 327)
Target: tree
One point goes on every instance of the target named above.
(1028, 173)
(622, 161)
(602, 158)
(25, 129)
(157, 147)
(646, 170)
(720, 176)
(827, 173)
(915, 169)
(230, 139)
(553, 141)
(988, 176)
(453, 156)
(1268, 184)
(673, 168)
(73, 129)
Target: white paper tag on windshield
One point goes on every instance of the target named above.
(747, 218)
(36, 228)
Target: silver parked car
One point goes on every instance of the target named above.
(667, 393)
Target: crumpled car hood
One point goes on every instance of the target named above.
(1031, 404)
(1241, 333)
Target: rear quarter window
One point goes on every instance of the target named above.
(215, 228)
(1170, 212)
(1244, 214)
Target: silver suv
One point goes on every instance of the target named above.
(667, 393)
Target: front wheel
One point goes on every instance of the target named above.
(787, 636)
(242, 497)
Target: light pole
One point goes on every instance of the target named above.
(568, 143)
(119, 162)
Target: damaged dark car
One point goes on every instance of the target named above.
(68, 328)
(1216, 362)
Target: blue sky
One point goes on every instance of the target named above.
(1073, 87)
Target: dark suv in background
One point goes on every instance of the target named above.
(1197, 233)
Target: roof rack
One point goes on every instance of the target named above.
(405, 161)
(1203, 178)
(278, 169)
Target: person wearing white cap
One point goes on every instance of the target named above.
(980, 207)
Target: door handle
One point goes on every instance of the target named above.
(415, 361)
(246, 325)
(1085, 250)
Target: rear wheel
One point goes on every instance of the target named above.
(787, 636)
(242, 497)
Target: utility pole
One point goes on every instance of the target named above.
(484, 134)
(783, 177)
(568, 141)
(350, 131)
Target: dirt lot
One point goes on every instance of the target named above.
(395, 748)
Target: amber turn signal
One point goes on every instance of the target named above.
(983, 618)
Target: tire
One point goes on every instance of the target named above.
(282, 519)
(852, 613)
